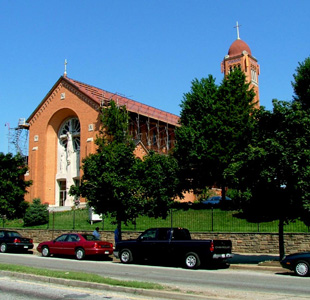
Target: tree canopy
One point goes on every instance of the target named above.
(216, 124)
(108, 180)
(159, 182)
(117, 183)
(273, 173)
(301, 84)
(13, 187)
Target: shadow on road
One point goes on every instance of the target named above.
(253, 258)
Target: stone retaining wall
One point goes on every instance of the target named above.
(242, 242)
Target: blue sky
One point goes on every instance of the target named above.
(147, 50)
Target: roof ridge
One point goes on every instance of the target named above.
(118, 94)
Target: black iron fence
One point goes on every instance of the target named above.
(196, 220)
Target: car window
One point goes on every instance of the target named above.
(150, 234)
(1, 234)
(13, 234)
(181, 234)
(163, 234)
(61, 238)
(73, 238)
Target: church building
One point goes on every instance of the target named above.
(64, 126)
(63, 129)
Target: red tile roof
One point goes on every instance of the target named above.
(98, 95)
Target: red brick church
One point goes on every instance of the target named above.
(64, 126)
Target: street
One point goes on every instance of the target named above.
(226, 283)
(15, 289)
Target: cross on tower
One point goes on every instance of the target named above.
(65, 73)
(237, 26)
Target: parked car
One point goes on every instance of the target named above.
(173, 244)
(76, 244)
(13, 241)
(214, 200)
(297, 262)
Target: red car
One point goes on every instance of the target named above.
(76, 244)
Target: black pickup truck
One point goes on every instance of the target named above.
(173, 244)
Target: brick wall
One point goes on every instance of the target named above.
(242, 242)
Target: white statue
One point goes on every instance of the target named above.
(70, 149)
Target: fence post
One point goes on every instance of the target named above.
(102, 223)
(3, 220)
(53, 225)
(212, 219)
(258, 227)
(73, 219)
(171, 218)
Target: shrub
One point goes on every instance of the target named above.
(36, 213)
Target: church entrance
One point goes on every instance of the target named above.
(62, 192)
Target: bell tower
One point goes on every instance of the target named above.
(240, 56)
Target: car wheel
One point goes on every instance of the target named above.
(126, 256)
(4, 247)
(192, 260)
(79, 253)
(302, 268)
(45, 251)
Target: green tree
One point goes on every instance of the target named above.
(301, 84)
(159, 182)
(108, 180)
(216, 123)
(36, 213)
(12, 185)
(273, 173)
(117, 183)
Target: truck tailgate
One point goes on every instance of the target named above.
(222, 246)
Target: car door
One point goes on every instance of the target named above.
(162, 248)
(2, 236)
(70, 244)
(150, 247)
(58, 245)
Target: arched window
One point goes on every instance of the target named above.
(71, 128)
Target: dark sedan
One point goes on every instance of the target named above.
(297, 262)
(76, 244)
(13, 241)
(214, 200)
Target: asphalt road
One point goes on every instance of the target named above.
(229, 283)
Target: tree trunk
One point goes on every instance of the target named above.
(119, 229)
(281, 238)
(118, 232)
(223, 192)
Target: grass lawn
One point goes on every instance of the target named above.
(195, 220)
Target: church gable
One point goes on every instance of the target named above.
(64, 126)
(59, 93)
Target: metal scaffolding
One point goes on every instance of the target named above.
(18, 138)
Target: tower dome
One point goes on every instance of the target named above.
(237, 47)
(240, 57)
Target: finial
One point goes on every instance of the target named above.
(65, 73)
(237, 26)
